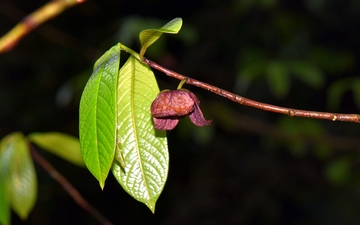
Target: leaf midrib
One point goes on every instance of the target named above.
(132, 96)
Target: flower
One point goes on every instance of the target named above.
(172, 105)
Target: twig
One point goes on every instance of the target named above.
(264, 128)
(46, 12)
(52, 33)
(355, 118)
(68, 187)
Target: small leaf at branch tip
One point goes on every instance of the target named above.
(149, 36)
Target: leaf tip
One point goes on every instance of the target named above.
(151, 206)
(102, 185)
(23, 215)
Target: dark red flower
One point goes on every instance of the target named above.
(170, 106)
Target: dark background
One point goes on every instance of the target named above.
(249, 166)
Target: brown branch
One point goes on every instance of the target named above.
(68, 187)
(264, 128)
(355, 118)
(46, 12)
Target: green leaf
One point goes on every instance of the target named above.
(336, 91)
(143, 148)
(278, 78)
(338, 171)
(98, 115)
(21, 183)
(4, 206)
(248, 73)
(6, 158)
(333, 62)
(149, 36)
(356, 91)
(298, 131)
(307, 73)
(62, 145)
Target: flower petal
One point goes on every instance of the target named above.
(197, 117)
(165, 123)
(172, 103)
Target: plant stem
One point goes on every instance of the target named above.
(181, 84)
(355, 118)
(130, 51)
(68, 187)
(46, 12)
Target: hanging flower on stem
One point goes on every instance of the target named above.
(172, 105)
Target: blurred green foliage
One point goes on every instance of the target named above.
(250, 167)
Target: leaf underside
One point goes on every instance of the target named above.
(144, 151)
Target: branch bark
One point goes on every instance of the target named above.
(68, 187)
(355, 118)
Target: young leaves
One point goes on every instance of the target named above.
(18, 177)
(116, 126)
(144, 149)
(140, 152)
(98, 115)
(149, 36)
